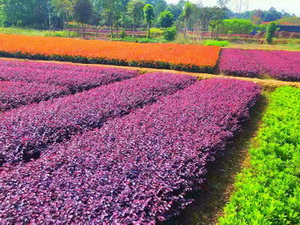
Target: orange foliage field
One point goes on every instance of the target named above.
(172, 54)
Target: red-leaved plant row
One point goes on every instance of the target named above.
(75, 79)
(26, 131)
(135, 169)
(15, 94)
(281, 65)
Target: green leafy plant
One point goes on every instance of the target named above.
(268, 192)
(166, 19)
(123, 34)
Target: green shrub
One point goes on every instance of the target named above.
(165, 19)
(268, 192)
(170, 33)
(236, 26)
(216, 43)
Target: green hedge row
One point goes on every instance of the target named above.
(80, 59)
(268, 192)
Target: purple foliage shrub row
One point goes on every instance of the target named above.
(15, 94)
(76, 79)
(135, 169)
(51, 66)
(26, 131)
(237, 62)
(282, 65)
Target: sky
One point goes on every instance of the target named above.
(290, 6)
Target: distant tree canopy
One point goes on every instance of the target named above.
(50, 14)
(24, 13)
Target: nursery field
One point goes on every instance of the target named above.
(279, 65)
(100, 145)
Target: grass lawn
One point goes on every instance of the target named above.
(34, 32)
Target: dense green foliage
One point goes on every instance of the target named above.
(268, 192)
(236, 26)
(271, 28)
(34, 13)
(170, 33)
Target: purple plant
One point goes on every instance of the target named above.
(75, 78)
(282, 65)
(236, 62)
(53, 66)
(26, 131)
(15, 94)
(135, 169)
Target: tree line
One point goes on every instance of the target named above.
(127, 14)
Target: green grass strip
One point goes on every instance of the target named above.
(268, 192)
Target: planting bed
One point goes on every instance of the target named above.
(15, 94)
(25, 132)
(281, 65)
(175, 56)
(135, 169)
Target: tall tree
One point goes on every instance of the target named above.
(149, 17)
(135, 12)
(271, 28)
(83, 11)
(64, 9)
(187, 12)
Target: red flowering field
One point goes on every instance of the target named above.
(175, 56)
